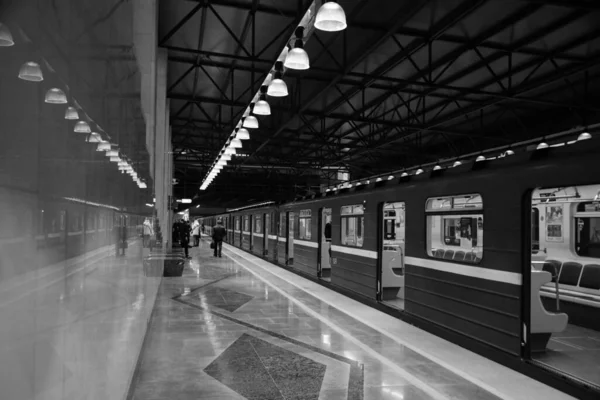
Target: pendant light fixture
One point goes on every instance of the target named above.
(584, 136)
(250, 122)
(480, 158)
(542, 145)
(331, 17)
(105, 146)
(243, 134)
(419, 171)
(456, 163)
(6, 38)
(262, 107)
(82, 127)
(230, 151)
(112, 153)
(226, 157)
(115, 159)
(277, 88)
(94, 138)
(71, 113)
(509, 152)
(297, 57)
(236, 143)
(55, 96)
(31, 71)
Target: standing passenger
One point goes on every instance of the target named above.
(218, 234)
(196, 232)
(184, 235)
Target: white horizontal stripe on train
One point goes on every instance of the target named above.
(55, 235)
(273, 237)
(75, 233)
(282, 239)
(258, 234)
(236, 231)
(467, 270)
(354, 251)
(245, 233)
(572, 299)
(306, 243)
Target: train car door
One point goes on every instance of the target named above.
(251, 231)
(324, 265)
(290, 239)
(392, 247)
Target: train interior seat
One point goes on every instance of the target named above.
(543, 323)
(569, 273)
(553, 267)
(459, 256)
(469, 257)
(590, 278)
(449, 254)
(439, 253)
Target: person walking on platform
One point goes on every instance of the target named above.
(196, 232)
(219, 233)
(184, 235)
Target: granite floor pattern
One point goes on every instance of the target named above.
(219, 332)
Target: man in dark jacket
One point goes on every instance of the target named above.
(219, 233)
(184, 236)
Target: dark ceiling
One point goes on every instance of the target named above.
(407, 83)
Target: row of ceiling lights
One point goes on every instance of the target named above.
(330, 18)
(32, 72)
(418, 171)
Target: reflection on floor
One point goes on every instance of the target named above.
(396, 303)
(225, 331)
(575, 351)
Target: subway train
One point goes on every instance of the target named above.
(415, 241)
(40, 232)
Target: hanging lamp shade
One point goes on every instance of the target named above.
(115, 159)
(480, 158)
(404, 175)
(456, 163)
(277, 88)
(82, 127)
(222, 163)
(419, 171)
(105, 146)
(437, 168)
(262, 107)
(509, 152)
(230, 151)
(55, 96)
(6, 38)
(31, 71)
(112, 153)
(94, 138)
(250, 122)
(542, 145)
(243, 134)
(584, 136)
(226, 157)
(297, 57)
(331, 17)
(71, 113)
(236, 143)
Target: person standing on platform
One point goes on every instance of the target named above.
(184, 235)
(219, 233)
(196, 232)
(147, 233)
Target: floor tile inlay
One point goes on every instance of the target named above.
(226, 299)
(257, 369)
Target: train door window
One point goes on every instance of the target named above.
(246, 223)
(304, 225)
(258, 223)
(237, 223)
(290, 241)
(455, 228)
(393, 247)
(282, 225)
(352, 225)
(268, 227)
(587, 221)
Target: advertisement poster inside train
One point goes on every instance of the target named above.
(554, 224)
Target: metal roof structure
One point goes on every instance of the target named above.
(407, 83)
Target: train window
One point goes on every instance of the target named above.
(352, 225)
(587, 221)
(282, 225)
(257, 224)
(246, 223)
(304, 224)
(455, 228)
(237, 223)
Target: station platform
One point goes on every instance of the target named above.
(238, 327)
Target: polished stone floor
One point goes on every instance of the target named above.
(229, 329)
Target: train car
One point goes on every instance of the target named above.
(499, 255)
